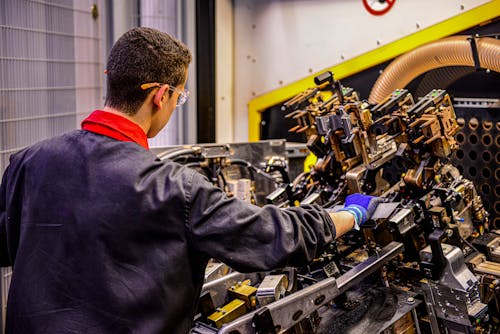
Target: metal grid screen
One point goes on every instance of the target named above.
(478, 157)
(50, 75)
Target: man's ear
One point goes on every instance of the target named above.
(159, 95)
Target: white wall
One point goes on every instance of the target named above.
(224, 65)
(279, 42)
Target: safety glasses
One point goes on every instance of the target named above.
(183, 94)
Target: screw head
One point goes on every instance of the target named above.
(94, 11)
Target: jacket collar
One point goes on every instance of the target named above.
(115, 126)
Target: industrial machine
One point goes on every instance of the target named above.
(427, 262)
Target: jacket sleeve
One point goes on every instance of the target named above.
(251, 238)
(4, 254)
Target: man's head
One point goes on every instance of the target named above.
(143, 55)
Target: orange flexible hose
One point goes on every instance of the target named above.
(450, 51)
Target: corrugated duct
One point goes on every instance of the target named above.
(450, 51)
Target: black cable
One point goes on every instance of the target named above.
(193, 164)
(251, 168)
(469, 244)
(310, 191)
(220, 173)
(178, 153)
(475, 54)
(243, 163)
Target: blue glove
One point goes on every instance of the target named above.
(361, 206)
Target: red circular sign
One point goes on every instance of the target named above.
(378, 7)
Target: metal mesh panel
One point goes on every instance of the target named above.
(50, 75)
(478, 157)
(5, 282)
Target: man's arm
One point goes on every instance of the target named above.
(251, 238)
(343, 222)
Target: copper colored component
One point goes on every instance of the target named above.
(473, 123)
(451, 51)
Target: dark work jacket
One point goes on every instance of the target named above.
(105, 238)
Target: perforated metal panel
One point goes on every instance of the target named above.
(50, 75)
(49, 70)
(478, 157)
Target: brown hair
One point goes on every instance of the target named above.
(143, 55)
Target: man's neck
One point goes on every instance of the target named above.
(136, 118)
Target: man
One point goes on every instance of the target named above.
(105, 238)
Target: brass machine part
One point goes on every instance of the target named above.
(478, 208)
(420, 177)
(481, 266)
(400, 97)
(228, 313)
(414, 176)
(439, 125)
(494, 249)
(405, 325)
(488, 267)
(302, 118)
(244, 300)
(300, 98)
(245, 292)
(471, 198)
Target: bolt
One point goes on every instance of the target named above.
(410, 300)
(94, 11)
(378, 42)
(342, 56)
(417, 25)
(462, 7)
(488, 70)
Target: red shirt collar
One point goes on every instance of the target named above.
(115, 126)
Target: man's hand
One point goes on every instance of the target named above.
(361, 206)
